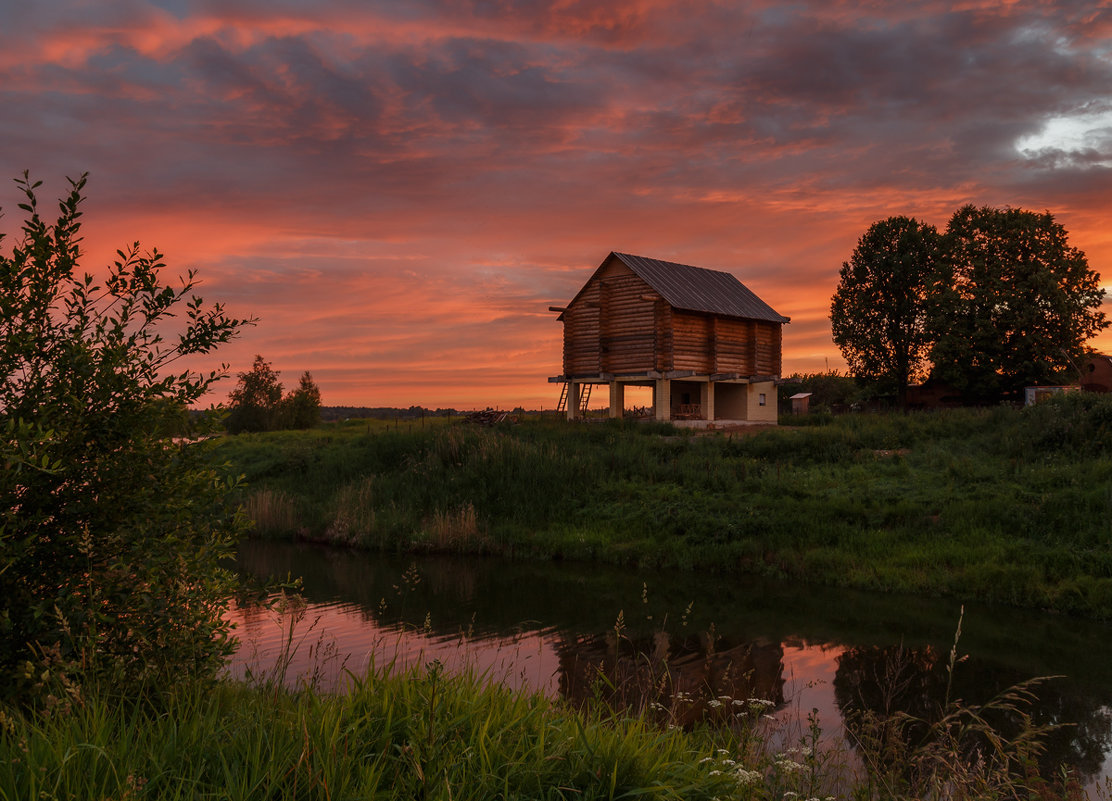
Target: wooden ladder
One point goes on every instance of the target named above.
(584, 398)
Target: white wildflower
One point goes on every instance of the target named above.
(748, 778)
(790, 766)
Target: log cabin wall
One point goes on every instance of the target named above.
(663, 319)
(582, 355)
(767, 343)
(618, 324)
(708, 345)
(692, 343)
(628, 342)
(734, 350)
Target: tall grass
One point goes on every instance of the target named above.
(994, 504)
(419, 735)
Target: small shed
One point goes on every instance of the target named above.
(706, 344)
(801, 402)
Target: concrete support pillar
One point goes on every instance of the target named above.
(617, 399)
(706, 400)
(662, 399)
(573, 399)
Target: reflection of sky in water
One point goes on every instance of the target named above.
(330, 640)
(550, 628)
(809, 672)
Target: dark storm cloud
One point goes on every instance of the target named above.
(927, 97)
(492, 84)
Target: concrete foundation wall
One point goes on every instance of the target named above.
(765, 412)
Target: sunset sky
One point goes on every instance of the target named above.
(398, 189)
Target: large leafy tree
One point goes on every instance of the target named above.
(878, 313)
(112, 534)
(1013, 302)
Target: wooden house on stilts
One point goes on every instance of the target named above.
(708, 346)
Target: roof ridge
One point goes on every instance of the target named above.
(624, 256)
(702, 290)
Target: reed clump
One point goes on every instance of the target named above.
(273, 512)
(454, 529)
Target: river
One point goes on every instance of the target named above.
(555, 626)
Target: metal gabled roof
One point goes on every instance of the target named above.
(700, 290)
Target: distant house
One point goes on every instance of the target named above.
(1096, 373)
(708, 346)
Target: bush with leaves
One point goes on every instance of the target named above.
(301, 408)
(256, 404)
(112, 535)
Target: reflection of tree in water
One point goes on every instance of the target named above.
(893, 679)
(685, 675)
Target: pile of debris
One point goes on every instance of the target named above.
(487, 417)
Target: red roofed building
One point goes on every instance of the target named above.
(1096, 373)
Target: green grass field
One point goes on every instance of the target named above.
(1002, 505)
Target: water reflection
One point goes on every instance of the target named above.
(893, 679)
(655, 637)
(654, 671)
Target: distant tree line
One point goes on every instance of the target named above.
(257, 402)
(335, 413)
(996, 302)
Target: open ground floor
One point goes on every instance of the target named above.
(682, 397)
